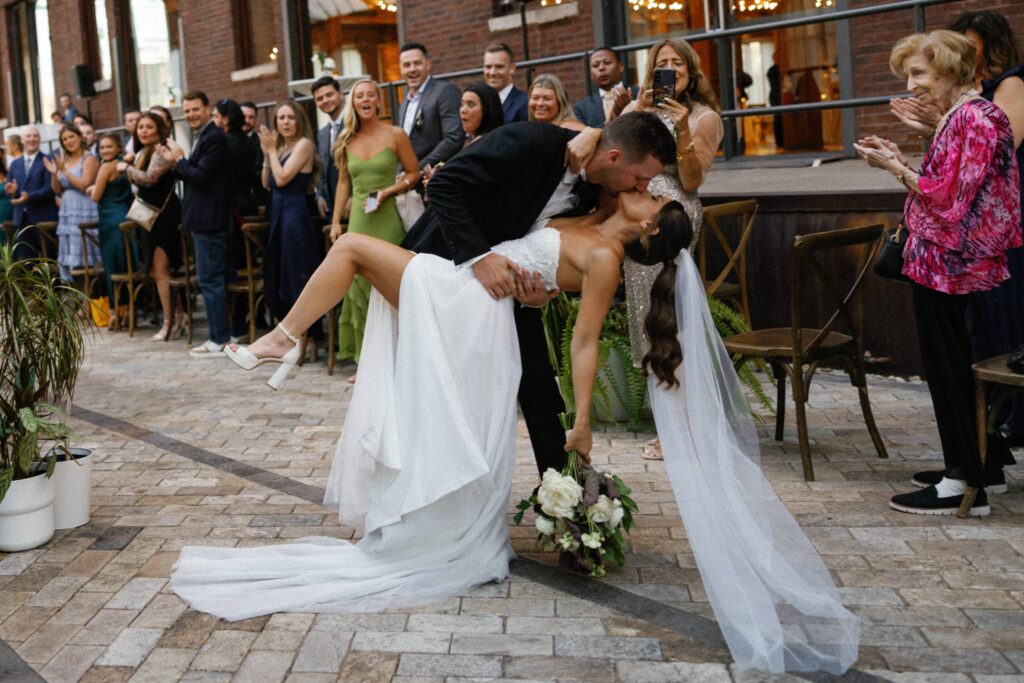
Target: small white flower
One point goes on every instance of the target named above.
(568, 542)
(592, 540)
(558, 495)
(601, 511)
(617, 514)
(544, 525)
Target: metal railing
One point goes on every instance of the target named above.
(727, 90)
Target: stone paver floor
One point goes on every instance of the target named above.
(198, 452)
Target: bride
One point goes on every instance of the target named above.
(424, 464)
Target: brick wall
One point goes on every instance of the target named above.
(456, 33)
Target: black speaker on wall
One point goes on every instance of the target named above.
(81, 74)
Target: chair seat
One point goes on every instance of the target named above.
(94, 270)
(726, 290)
(777, 342)
(994, 370)
(243, 288)
(180, 280)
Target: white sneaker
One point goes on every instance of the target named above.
(208, 349)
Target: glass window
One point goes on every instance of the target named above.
(31, 68)
(157, 51)
(256, 32)
(44, 75)
(647, 19)
(105, 72)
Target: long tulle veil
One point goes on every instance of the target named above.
(774, 600)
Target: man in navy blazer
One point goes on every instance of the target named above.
(31, 192)
(330, 100)
(611, 97)
(204, 213)
(499, 68)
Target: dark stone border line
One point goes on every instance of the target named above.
(667, 617)
(14, 669)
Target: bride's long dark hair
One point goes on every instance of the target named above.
(674, 234)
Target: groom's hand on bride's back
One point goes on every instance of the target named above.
(530, 289)
(496, 274)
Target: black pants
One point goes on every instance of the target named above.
(946, 355)
(539, 398)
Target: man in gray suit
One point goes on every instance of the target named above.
(430, 112)
(330, 100)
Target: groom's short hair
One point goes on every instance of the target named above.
(639, 134)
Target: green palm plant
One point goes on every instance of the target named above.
(41, 349)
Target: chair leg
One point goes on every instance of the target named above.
(800, 399)
(302, 353)
(132, 294)
(860, 380)
(981, 416)
(780, 400)
(117, 301)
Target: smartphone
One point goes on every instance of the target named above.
(664, 85)
(371, 203)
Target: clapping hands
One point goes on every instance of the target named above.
(267, 143)
(881, 153)
(920, 117)
(171, 151)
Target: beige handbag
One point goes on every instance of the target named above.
(144, 213)
(410, 208)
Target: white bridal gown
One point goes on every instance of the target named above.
(424, 469)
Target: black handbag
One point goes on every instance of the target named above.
(889, 263)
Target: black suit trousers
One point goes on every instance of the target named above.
(539, 398)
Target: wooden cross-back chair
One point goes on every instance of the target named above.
(795, 352)
(89, 274)
(47, 231)
(132, 280)
(730, 284)
(255, 235)
(186, 281)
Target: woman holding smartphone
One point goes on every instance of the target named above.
(691, 115)
(367, 153)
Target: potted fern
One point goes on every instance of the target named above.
(41, 350)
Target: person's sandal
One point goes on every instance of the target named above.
(652, 451)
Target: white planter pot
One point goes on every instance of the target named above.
(26, 514)
(73, 480)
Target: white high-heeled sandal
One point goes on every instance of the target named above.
(245, 359)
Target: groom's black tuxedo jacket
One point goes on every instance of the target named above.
(493, 191)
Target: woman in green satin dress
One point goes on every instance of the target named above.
(112, 193)
(367, 152)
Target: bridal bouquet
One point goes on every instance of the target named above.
(583, 513)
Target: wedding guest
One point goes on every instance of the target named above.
(112, 193)
(131, 119)
(68, 110)
(481, 111)
(71, 174)
(367, 154)
(962, 213)
(249, 112)
(249, 129)
(331, 101)
(995, 318)
(151, 173)
(430, 112)
(204, 214)
(6, 208)
(164, 113)
(549, 103)
(612, 95)
(31, 191)
(12, 148)
(295, 245)
(240, 157)
(56, 118)
(499, 69)
(90, 139)
(692, 118)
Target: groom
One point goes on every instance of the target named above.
(513, 179)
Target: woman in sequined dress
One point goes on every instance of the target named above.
(692, 118)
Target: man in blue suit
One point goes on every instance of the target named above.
(499, 68)
(204, 213)
(330, 100)
(611, 97)
(28, 184)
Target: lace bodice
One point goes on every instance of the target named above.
(537, 252)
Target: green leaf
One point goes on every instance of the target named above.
(29, 420)
(6, 476)
(523, 505)
(518, 517)
(26, 451)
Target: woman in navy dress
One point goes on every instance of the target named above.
(295, 246)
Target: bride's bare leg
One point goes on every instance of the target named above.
(380, 262)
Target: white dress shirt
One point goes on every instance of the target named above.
(503, 93)
(413, 107)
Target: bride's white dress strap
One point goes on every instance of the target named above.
(772, 595)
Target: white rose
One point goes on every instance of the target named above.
(592, 540)
(601, 511)
(544, 525)
(617, 514)
(558, 495)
